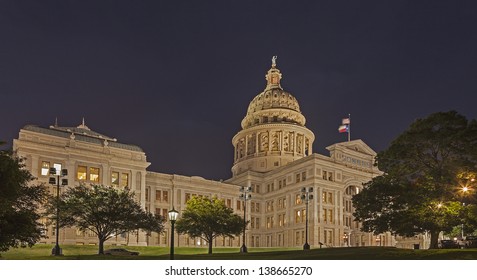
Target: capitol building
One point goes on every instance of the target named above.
(273, 156)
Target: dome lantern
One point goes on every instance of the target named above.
(273, 76)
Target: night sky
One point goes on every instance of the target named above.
(176, 77)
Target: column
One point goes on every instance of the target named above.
(141, 176)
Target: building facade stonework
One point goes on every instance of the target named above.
(272, 155)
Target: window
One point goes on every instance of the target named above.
(81, 173)
(327, 197)
(328, 236)
(229, 203)
(298, 199)
(328, 175)
(269, 206)
(94, 174)
(300, 216)
(255, 223)
(115, 179)
(281, 220)
(45, 168)
(158, 195)
(124, 180)
(328, 216)
(303, 176)
(297, 177)
(165, 196)
(282, 203)
(270, 222)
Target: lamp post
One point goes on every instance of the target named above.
(306, 195)
(56, 181)
(173, 214)
(244, 196)
(464, 190)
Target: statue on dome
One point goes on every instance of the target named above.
(274, 60)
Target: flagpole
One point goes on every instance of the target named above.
(349, 128)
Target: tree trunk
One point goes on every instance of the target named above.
(209, 241)
(210, 248)
(434, 239)
(101, 246)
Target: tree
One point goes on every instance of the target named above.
(106, 211)
(419, 189)
(207, 219)
(19, 203)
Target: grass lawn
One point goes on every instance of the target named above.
(86, 252)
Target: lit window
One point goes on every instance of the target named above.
(124, 180)
(158, 195)
(94, 174)
(115, 179)
(57, 166)
(45, 168)
(81, 173)
(298, 199)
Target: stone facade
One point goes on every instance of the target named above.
(273, 156)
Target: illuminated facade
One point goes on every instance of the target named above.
(272, 154)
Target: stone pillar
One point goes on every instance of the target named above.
(257, 140)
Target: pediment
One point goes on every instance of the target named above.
(355, 146)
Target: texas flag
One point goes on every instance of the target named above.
(343, 128)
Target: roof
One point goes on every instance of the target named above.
(84, 134)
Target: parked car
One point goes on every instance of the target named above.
(120, 252)
(468, 242)
(447, 244)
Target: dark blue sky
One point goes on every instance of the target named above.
(176, 77)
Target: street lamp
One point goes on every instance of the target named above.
(244, 196)
(306, 195)
(56, 181)
(345, 239)
(173, 214)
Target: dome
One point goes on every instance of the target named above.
(273, 104)
(273, 130)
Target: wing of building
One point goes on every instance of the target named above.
(272, 155)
